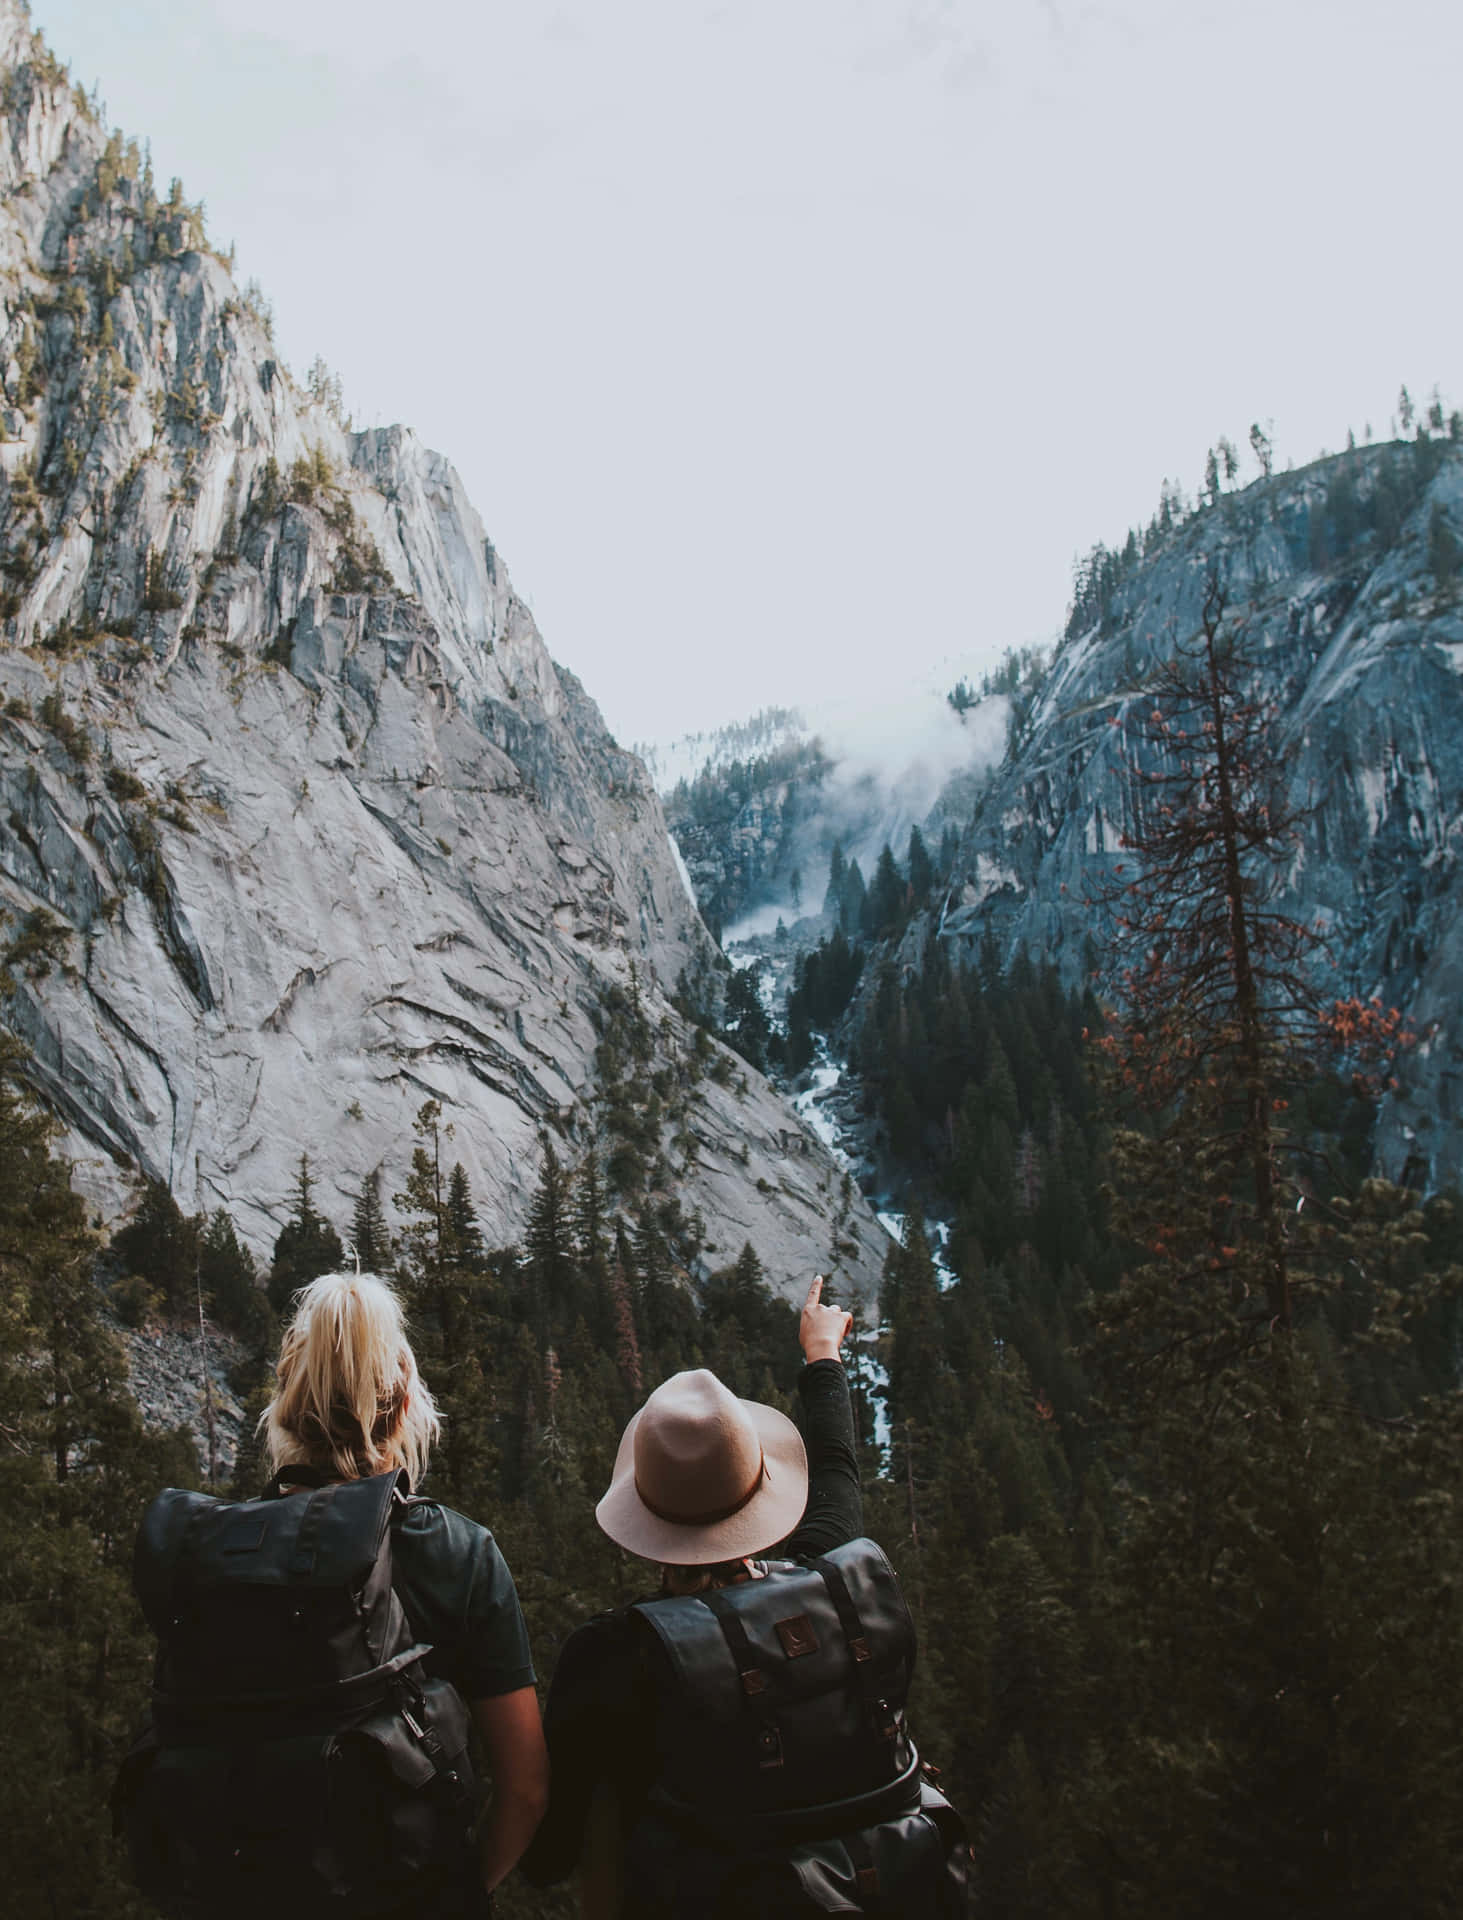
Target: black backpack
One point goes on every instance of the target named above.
(297, 1753)
(788, 1781)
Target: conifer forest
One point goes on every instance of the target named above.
(1165, 1444)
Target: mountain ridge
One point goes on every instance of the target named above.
(302, 825)
(1345, 576)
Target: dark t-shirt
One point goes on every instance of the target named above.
(599, 1723)
(459, 1595)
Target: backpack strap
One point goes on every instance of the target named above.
(884, 1717)
(755, 1679)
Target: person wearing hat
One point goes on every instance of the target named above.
(703, 1484)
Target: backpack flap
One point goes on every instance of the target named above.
(271, 1602)
(784, 1692)
(331, 1536)
(794, 1628)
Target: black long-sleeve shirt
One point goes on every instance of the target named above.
(599, 1723)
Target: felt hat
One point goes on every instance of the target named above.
(702, 1476)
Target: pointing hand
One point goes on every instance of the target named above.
(822, 1328)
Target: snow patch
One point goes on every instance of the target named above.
(937, 1233)
(683, 871)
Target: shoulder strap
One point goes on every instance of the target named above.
(884, 1716)
(755, 1679)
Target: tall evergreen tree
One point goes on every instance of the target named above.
(160, 1243)
(462, 1224)
(919, 867)
(851, 900)
(307, 1245)
(549, 1239)
(230, 1279)
(884, 906)
(370, 1234)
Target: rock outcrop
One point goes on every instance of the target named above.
(300, 825)
(1346, 576)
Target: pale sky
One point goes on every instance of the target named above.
(790, 346)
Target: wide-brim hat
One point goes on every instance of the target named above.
(702, 1476)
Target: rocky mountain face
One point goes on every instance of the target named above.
(748, 829)
(300, 825)
(1346, 578)
(756, 827)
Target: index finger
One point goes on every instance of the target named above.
(814, 1291)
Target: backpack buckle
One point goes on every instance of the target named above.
(769, 1748)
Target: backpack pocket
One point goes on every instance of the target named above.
(911, 1866)
(276, 1825)
(902, 1869)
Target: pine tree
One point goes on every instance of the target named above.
(920, 870)
(370, 1234)
(463, 1231)
(307, 1245)
(1222, 983)
(748, 1029)
(884, 905)
(443, 1295)
(548, 1241)
(160, 1244)
(230, 1279)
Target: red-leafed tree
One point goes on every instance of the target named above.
(1220, 1020)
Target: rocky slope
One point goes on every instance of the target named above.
(1347, 575)
(300, 825)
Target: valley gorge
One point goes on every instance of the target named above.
(336, 927)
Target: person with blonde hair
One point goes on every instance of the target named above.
(320, 1649)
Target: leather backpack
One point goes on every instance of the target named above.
(297, 1753)
(788, 1780)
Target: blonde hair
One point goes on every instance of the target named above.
(348, 1399)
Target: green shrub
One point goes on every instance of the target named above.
(72, 735)
(123, 785)
(134, 1301)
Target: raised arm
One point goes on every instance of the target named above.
(835, 1509)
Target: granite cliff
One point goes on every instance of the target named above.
(1345, 576)
(300, 825)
